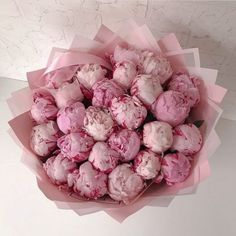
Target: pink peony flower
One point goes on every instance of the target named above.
(68, 93)
(58, 167)
(88, 182)
(44, 107)
(124, 73)
(124, 184)
(187, 85)
(147, 164)
(146, 88)
(76, 146)
(103, 157)
(156, 65)
(89, 74)
(122, 54)
(175, 168)
(128, 111)
(104, 91)
(44, 138)
(98, 123)
(157, 136)
(187, 139)
(126, 143)
(171, 107)
(71, 118)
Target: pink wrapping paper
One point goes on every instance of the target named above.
(54, 53)
(94, 51)
(169, 43)
(103, 35)
(187, 57)
(80, 43)
(21, 101)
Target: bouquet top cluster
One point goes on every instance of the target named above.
(106, 132)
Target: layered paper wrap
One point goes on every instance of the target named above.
(84, 51)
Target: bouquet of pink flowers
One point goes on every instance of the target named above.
(118, 122)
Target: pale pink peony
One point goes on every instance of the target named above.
(98, 123)
(44, 137)
(171, 107)
(156, 65)
(58, 167)
(126, 143)
(157, 136)
(68, 93)
(175, 168)
(71, 118)
(103, 157)
(124, 73)
(44, 107)
(187, 139)
(122, 54)
(89, 74)
(147, 164)
(104, 91)
(146, 88)
(76, 146)
(128, 111)
(88, 182)
(187, 85)
(124, 184)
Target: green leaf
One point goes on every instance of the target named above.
(198, 123)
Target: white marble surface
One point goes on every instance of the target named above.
(30, 28)
(25, 211)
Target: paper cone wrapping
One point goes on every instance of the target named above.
(84, 51)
